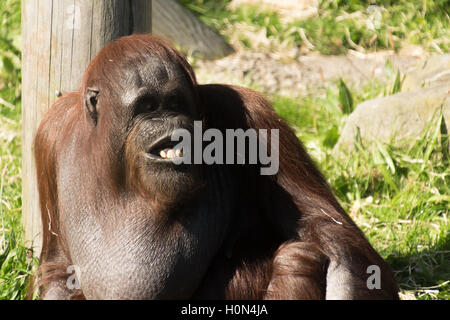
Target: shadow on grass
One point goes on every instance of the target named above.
(425, 272)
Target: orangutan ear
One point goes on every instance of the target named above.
(90, 101)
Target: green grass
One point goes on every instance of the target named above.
(399, 197)
(16, 262)
(340, 25)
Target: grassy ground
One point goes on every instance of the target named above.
(15, 261)
(399, 197)
(339, 26)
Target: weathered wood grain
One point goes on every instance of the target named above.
(59, 39)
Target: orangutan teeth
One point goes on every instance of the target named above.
(170, 153)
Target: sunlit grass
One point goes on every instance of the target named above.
(339, 26)
(16, 262)
(399, 197)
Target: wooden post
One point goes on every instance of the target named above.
(59, 39)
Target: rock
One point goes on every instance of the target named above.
(396, 119)
(431, 72)
(172, 21)
(402, 117)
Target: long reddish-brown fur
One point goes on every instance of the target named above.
(287, 227)
(296, 204)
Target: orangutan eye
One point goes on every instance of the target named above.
(145, 105)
